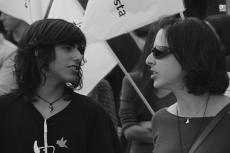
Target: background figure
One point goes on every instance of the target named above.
(7, 53)
(128, 53)
(2, 29)
(135, 116)
(188, 60)
(48, 71)
(14, 27)
(220, 25)
(104, 95)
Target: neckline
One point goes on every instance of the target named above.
(175, 116)
(38, 114)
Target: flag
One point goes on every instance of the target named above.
(105, 19)
(100, 59)
(69, 10)
(27, 10)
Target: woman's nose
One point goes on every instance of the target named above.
(150, 60)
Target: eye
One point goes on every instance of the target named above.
(67, 47)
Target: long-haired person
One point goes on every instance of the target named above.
(44, 113)
(187, 59)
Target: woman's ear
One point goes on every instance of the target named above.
(37, 59)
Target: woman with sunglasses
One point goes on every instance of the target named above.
(187, 59)
(134, 115)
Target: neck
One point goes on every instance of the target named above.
(188, 104)
(160, 93)
(50, 92)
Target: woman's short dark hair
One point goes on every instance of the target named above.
(198, 51)
(221, 24)
(41, 37)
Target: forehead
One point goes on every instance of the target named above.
(160, 39)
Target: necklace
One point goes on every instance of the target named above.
(51, 103)
(188, 118)
(178, 124)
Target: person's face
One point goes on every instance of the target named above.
(166, 71)
(9, 22)
(66, 65)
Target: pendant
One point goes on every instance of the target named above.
(187, 121)
(51, 108)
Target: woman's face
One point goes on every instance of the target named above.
(66, 65)
(166, 71)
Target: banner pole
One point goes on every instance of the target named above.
(48, 9)
(182, 15)
(133, 83)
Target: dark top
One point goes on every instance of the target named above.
(82, 127)
(130, 113)
(166, 137)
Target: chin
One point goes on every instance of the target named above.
(158, 85)
(69, 79)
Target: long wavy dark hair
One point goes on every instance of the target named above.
(42, 36)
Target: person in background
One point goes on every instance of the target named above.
(134, 115)
(103, 93)
(187, 59)
(14, 27)
(220, 26)
(7, 53)
(44, 113)
(127, 51)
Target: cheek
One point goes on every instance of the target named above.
(173, 70)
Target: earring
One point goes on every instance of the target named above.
(36, 53)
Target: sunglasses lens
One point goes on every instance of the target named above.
(159, 52)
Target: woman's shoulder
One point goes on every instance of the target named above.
(86, 102)
(162, 117)
(7, 97)
(162, 113)
(216, 104)
(8, 100)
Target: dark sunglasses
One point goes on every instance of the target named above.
(160, 51)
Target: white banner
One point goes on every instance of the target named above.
(99, 58)
(27, 10)
(106, 19)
